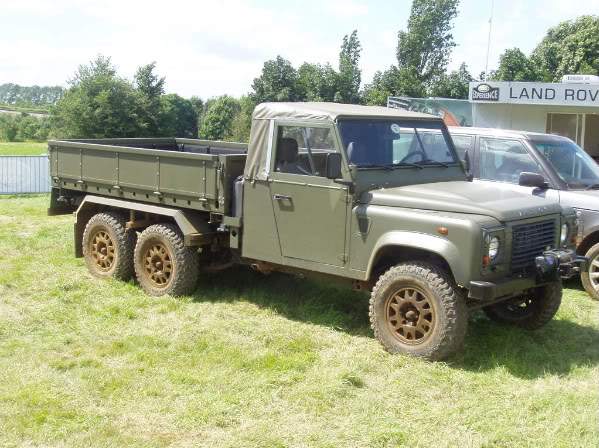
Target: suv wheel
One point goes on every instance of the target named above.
(416, 309)
(108, 246)
(530, 311)
(163, 264)
(590, 278)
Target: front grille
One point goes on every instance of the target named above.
(529, 241)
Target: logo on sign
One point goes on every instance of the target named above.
(484, 92)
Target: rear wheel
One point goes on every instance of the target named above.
(416, 309)
(108, 246)
(590, 278)
(530, 311)
(163, 264)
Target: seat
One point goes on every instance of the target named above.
(514, 162)
(287, 157)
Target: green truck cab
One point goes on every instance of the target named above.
(373, 196)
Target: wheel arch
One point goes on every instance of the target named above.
(397, 246)
(194, 227)
(589, 241)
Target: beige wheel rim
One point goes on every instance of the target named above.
(102, 250)
(410, 315)
(158, 265)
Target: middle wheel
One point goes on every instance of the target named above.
(163, 264)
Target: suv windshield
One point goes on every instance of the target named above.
(571, 162)
(388, 143)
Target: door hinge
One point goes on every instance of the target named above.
(348, 199)
(343, 257)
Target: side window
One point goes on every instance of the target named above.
(302, 150)
(462, 144)
(503, 160)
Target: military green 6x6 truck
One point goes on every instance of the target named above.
(371, 195)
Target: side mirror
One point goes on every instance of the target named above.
(532, 180)
(333, 165)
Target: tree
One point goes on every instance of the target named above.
(514, 65)
(277, 82)
(572, 47)
(98, 104)
(242, 121)
(32, 96)
(217, 123)
(350, 74)
(316, 82)
(455, 85)
(426, 45)
(198, 106)
(393, 82)
(177, 117)
(150, 88)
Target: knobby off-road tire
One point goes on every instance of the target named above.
(590, 278)
(416, 309)
(163, 264)
(531, 311)
(108, 246)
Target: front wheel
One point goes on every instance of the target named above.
(531, 310)
(416, 309)
(590, 278)
(163, 264)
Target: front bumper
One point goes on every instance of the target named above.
(548, 268)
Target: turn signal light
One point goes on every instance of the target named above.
(442, 230)
(486, 260)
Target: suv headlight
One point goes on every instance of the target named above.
(563, 237)
(493, 247)
(493, 242)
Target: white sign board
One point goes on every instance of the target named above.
(557, 94)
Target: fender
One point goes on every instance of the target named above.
(430, 243)
(196, 231)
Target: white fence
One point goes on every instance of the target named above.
(24, 174)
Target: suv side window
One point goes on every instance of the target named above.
(302, 150)
(462, 144)
(503, 160)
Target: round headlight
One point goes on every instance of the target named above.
(564, 235)
(493, 247)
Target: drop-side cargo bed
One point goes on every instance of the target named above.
(187, 173)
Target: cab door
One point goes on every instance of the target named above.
(310, 210)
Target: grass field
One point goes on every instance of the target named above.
(30, 110)
(263, 362)
(23, 148)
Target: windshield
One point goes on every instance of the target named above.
(388, 143)
(571, 162)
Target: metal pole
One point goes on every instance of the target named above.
(489, 40)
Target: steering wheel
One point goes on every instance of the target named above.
(418, 152)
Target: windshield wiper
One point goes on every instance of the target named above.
(592, 187)
(433, 162)
(413, 165)
(390, 167)
(376, 166)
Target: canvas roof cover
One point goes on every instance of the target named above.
(256, 164)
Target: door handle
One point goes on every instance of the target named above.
(281, 197)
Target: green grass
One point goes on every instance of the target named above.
(31, 110)
(23, 148)
(263, 362)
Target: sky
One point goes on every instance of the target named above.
(210, 48)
